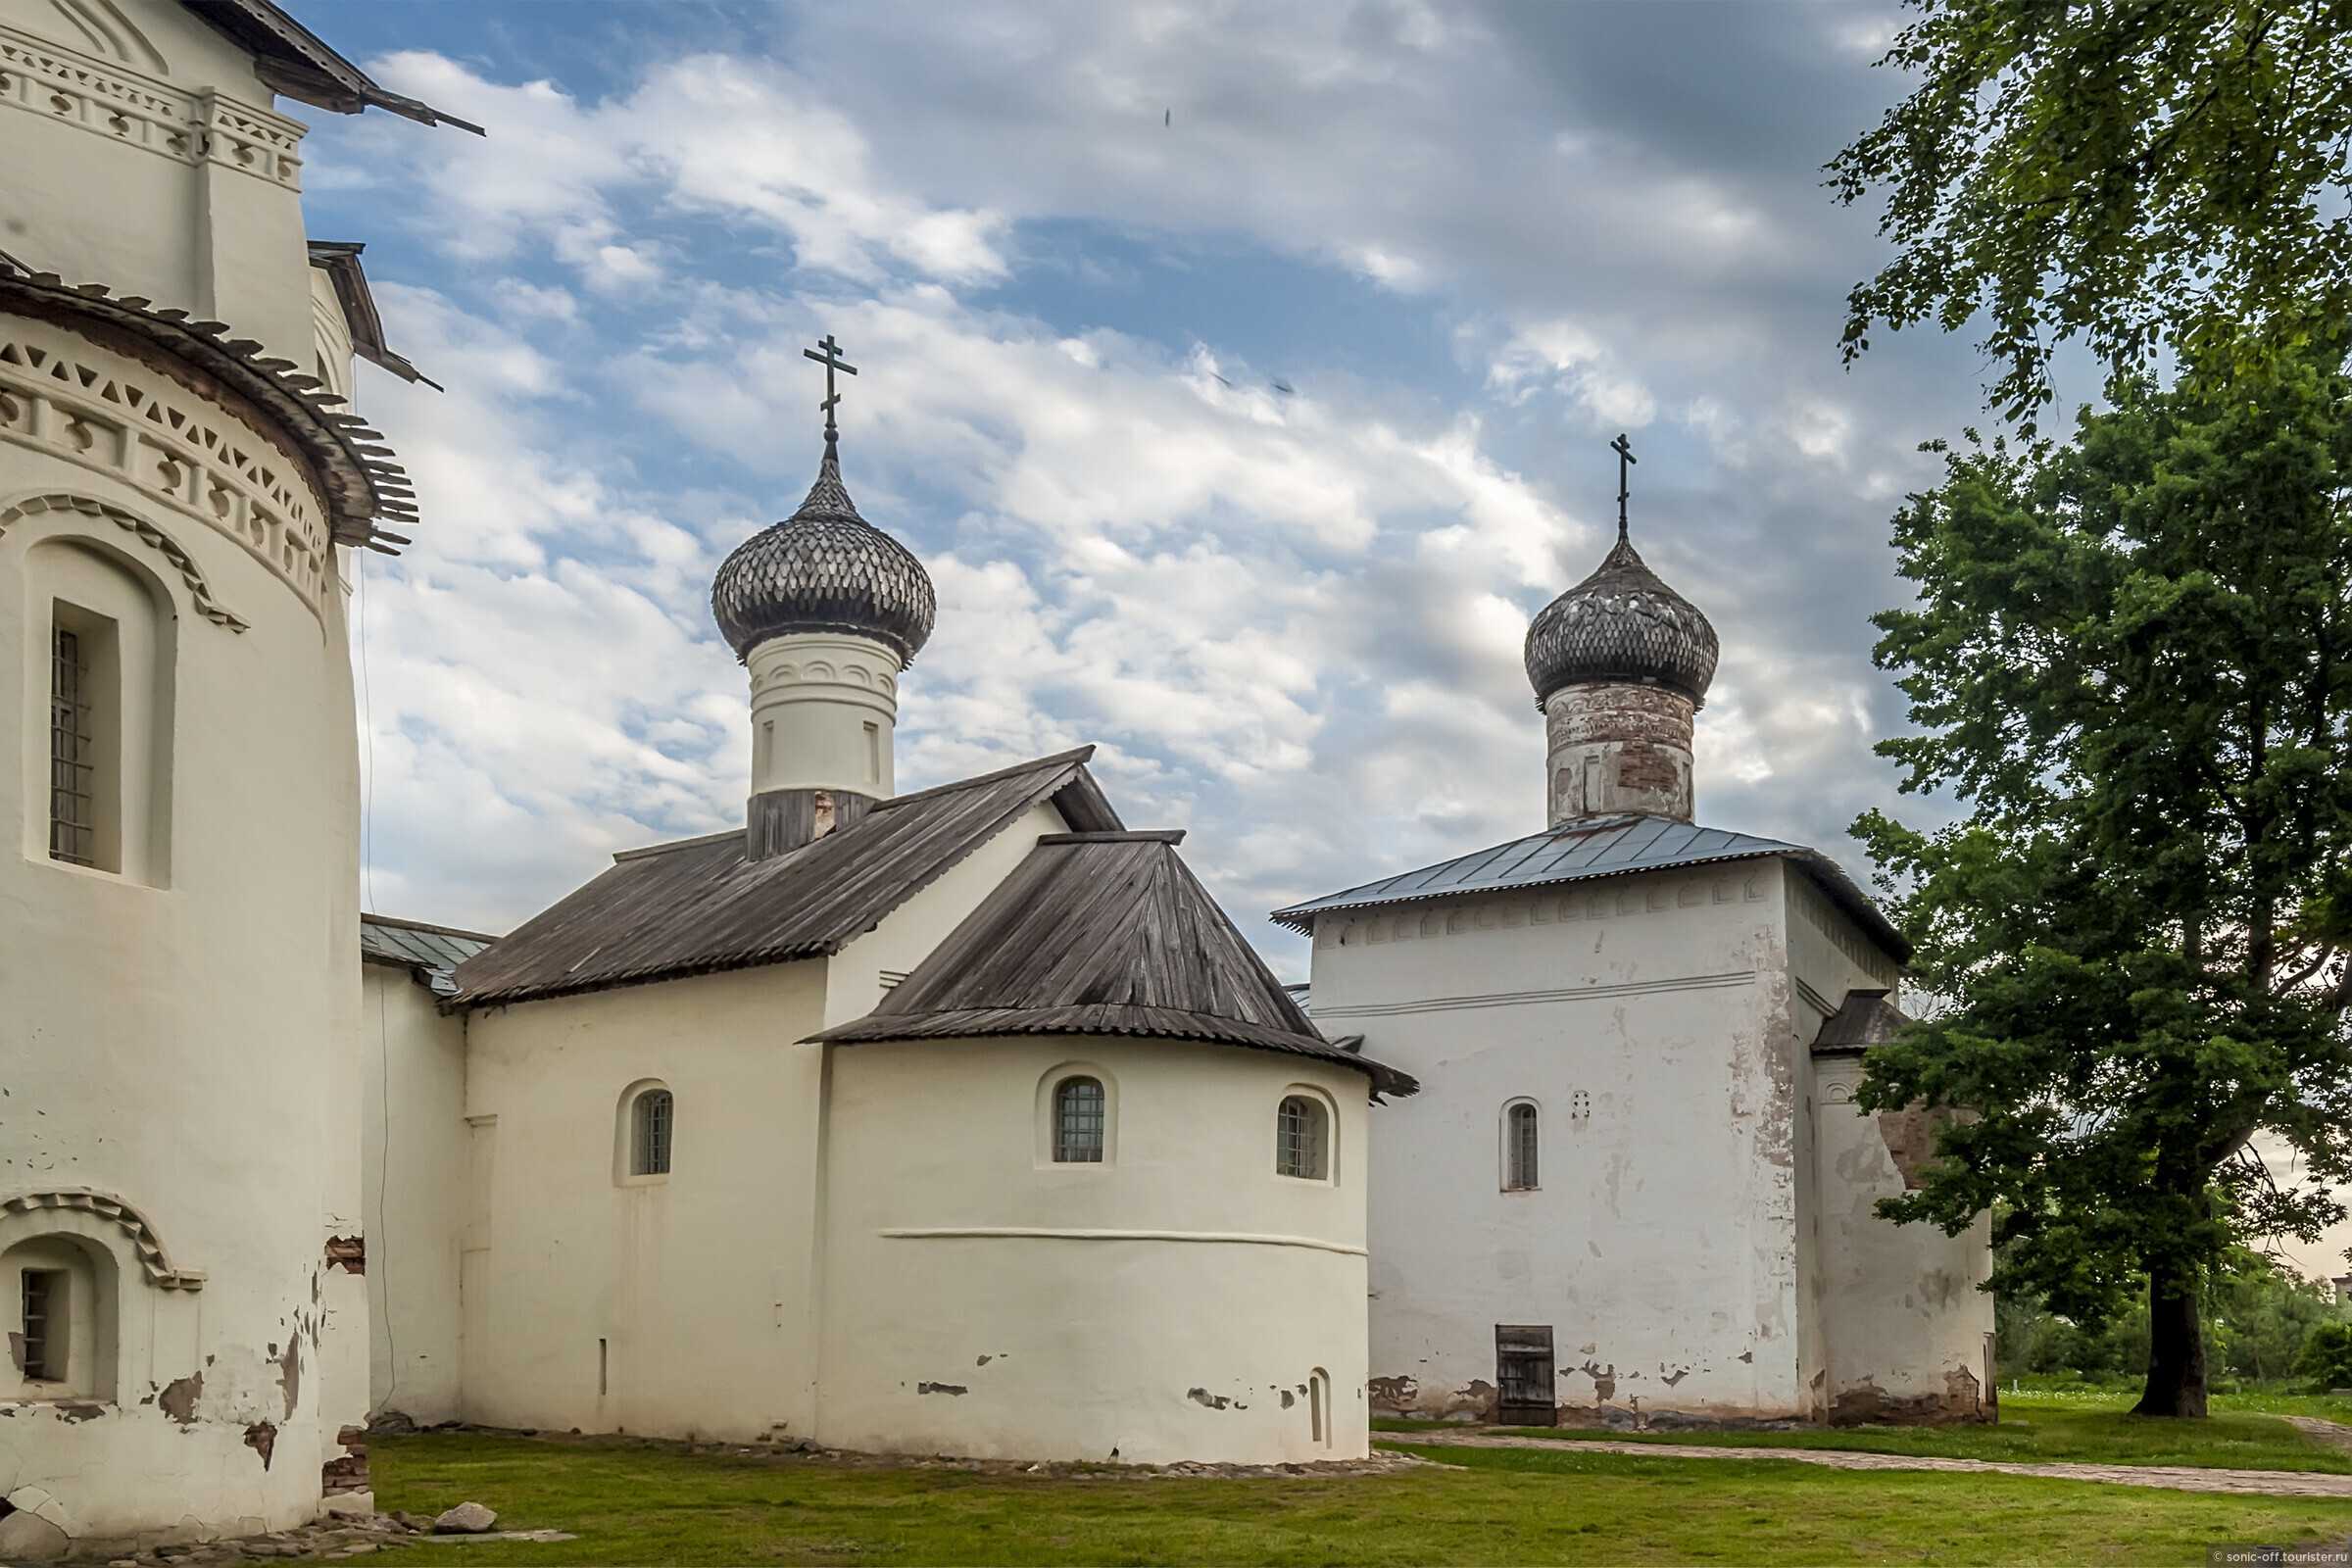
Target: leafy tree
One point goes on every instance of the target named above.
(2262, 1316)
(2326, 1362)
(2128, 657)
(2131, 171)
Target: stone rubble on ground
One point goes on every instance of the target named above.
(332, 1540)
(465, 1519)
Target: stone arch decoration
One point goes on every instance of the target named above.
(148, 534)
(154, 1262)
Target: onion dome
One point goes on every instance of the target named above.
(824, 569)
(1621, 624)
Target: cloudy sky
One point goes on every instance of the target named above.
(1079, 251)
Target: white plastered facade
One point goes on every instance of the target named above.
(866, 1245)
(179, 1117)
(1699, 1242)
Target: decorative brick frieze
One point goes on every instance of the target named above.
(69, 398)
(122, 105)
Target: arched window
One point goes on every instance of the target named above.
(101, 755)
(1520, 1139)
(1302, 1138)
(1078, 1122)
(59, 1317)
(652, 1117)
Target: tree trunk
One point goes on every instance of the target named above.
(2176, 1383)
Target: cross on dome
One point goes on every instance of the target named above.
(1625, 461)
(832, 361)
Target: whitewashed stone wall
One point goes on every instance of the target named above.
(1645, 1017)
(416, 1146)
(188, 1073)
(1179, 1300)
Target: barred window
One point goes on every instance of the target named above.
(1078, 1118)
(72, 752)
(1519, 1140)
(1300, 1139)
(650, 1145)
(44, 1317)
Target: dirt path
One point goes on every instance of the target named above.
(2332, 1434)
(2172, 1478)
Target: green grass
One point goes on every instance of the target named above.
(2034, 1429)
(2273, 1400)
(630, 1504)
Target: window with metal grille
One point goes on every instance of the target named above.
(1300, 1139)
(1519, 1135)
(653, 1115)
(1078, 1120)
(72, 753)
(44, 1339)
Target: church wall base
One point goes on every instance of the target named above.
(1962, 1398)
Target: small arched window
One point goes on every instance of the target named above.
(1078, 1122)
(1520, 1141)
(1301, 1139)
(57, 1315)
(652, 1118)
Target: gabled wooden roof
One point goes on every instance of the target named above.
(1103, 934)
(699, 905)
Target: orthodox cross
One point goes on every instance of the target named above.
(832, 361)
(1625, 463)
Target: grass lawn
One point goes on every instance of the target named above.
(2121, 1394)
(2031, 1428)
(631, 1504)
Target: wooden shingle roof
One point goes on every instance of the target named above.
(1869, 1017)
(699, 905)
(1103, 934)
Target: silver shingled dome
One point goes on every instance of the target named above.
(1622, 623)
(824, 569)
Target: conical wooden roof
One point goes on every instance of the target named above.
(1103, 934)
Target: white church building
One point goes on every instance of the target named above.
(953, 1121)
(181, 486)
(1635, 1187)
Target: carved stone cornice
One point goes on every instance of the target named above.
(123, 106)
(69, 398)
(191, 375)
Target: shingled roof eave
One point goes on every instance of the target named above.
(1824, 873)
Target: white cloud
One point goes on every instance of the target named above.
(705, 133)
(1292, 621)
(1565, 358)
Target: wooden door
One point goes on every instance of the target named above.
(1523, 1375)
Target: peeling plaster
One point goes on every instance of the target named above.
(942, 1388)
(262, 1439)
(179, 1397)
(289, 1374)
